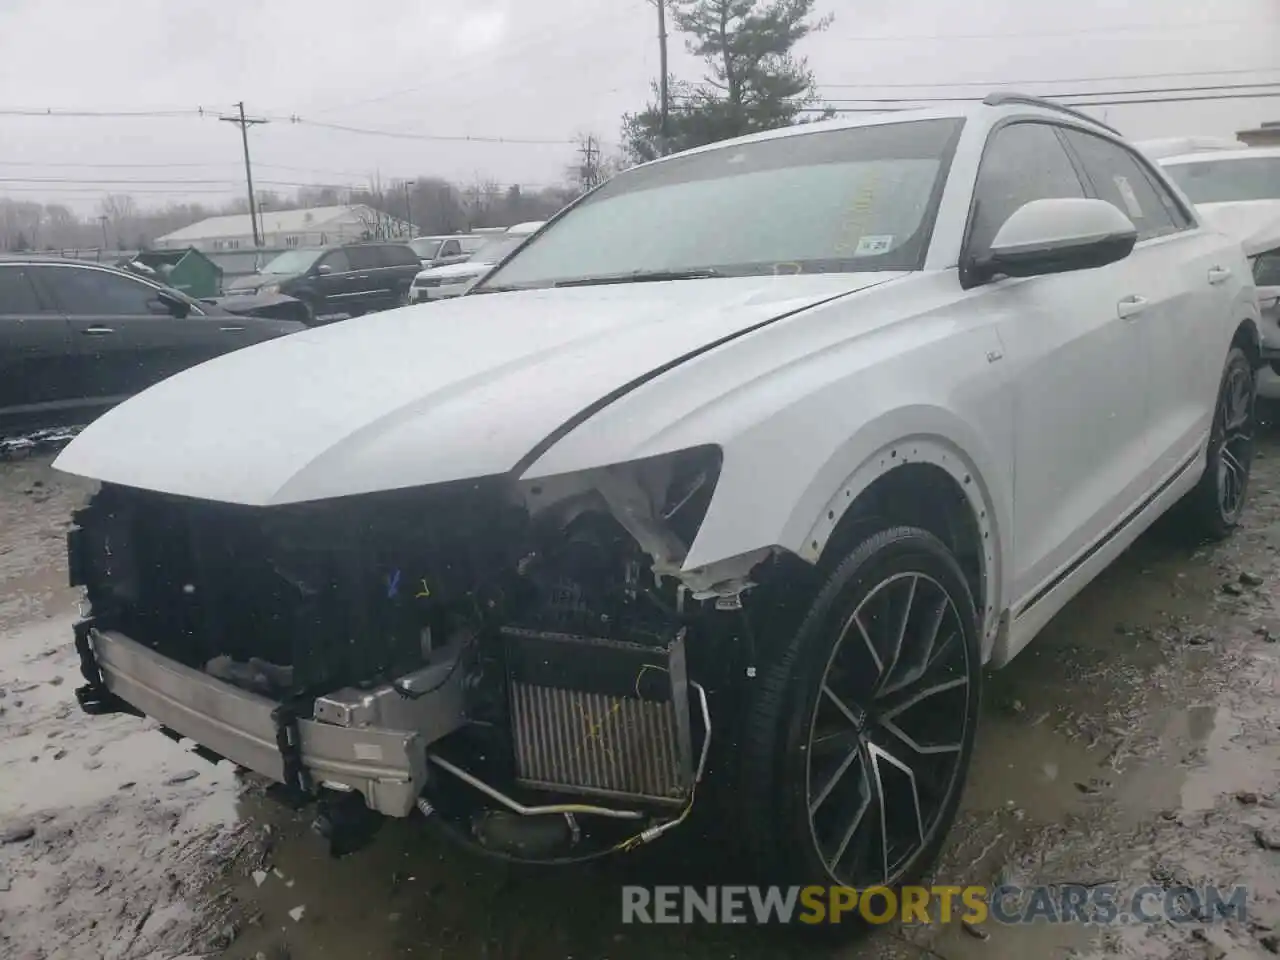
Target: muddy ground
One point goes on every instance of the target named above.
(1136, 742)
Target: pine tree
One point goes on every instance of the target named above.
(754, 81)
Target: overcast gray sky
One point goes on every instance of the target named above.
(531, 70)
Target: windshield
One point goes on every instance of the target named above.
(844, 200)
(426, 249)
(495, 250)
(1220, 181)
(292, 261)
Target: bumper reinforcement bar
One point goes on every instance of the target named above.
(277, 740)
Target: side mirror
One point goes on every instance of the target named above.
(1057, 236)
(324, 269)
(173, 305)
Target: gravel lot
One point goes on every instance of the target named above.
(1137, 741)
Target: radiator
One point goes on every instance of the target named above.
(600, 717)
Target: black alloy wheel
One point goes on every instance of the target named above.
(1234, 434)
(860, 734)
(1213, 508)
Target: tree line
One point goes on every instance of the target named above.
(432, 204)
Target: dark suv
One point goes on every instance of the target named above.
(337, 282)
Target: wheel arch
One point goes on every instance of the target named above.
(1248, 339)
(923, 480)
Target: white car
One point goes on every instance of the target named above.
(452, 280)
(1239, 192)
(733, 478)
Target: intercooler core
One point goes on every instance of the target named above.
(608, 718)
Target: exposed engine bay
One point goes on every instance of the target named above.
(531, 643)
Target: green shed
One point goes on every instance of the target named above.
(187, 270)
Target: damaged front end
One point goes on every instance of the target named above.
(523, 661)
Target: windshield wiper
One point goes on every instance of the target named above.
(643, 276)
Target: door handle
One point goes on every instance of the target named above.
(97, 331)
(231, 329)
(365, 277)
(1219, 275)
(1131, 307)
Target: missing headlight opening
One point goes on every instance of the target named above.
(523, 661)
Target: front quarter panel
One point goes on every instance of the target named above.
(810, 410)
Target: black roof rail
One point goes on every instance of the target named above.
(1001, 98)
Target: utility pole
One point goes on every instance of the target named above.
(408, 208)
(244, 123)
(589, 172)
(662, 82)
(103, 218)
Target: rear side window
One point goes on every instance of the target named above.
(397, 255)
(471, 244)
(1022, 162)
(451, 248)
(86, 292)
(1119, 178)
(364, 258)
(17, 293)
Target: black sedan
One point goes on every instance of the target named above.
(77, 338)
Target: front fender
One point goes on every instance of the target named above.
(744, 516)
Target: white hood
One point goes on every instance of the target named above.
(1255, 223)
(419, 395)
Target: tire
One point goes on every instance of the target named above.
(1212, 509)
(311, 307)
(806, 750)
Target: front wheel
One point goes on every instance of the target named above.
(859, 736)
(1214, 506)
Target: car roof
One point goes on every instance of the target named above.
(55, 259)
(1206, 156)
(995, 106)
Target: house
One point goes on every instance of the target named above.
(314, 227)
(1267, 135)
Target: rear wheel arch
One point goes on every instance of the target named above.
(1248, 339)
(926, 482)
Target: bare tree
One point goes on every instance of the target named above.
(121, 212)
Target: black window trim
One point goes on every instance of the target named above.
(1086, 184)
(967, 280)
(1182, 219)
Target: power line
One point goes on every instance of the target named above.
(1118, 28)
(1085, 93)
(55, 190)
(227, 184)
(53, 112)
(435, 137)
(292, 119)
(75, 164)
(1011, 83)
(907, 104)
